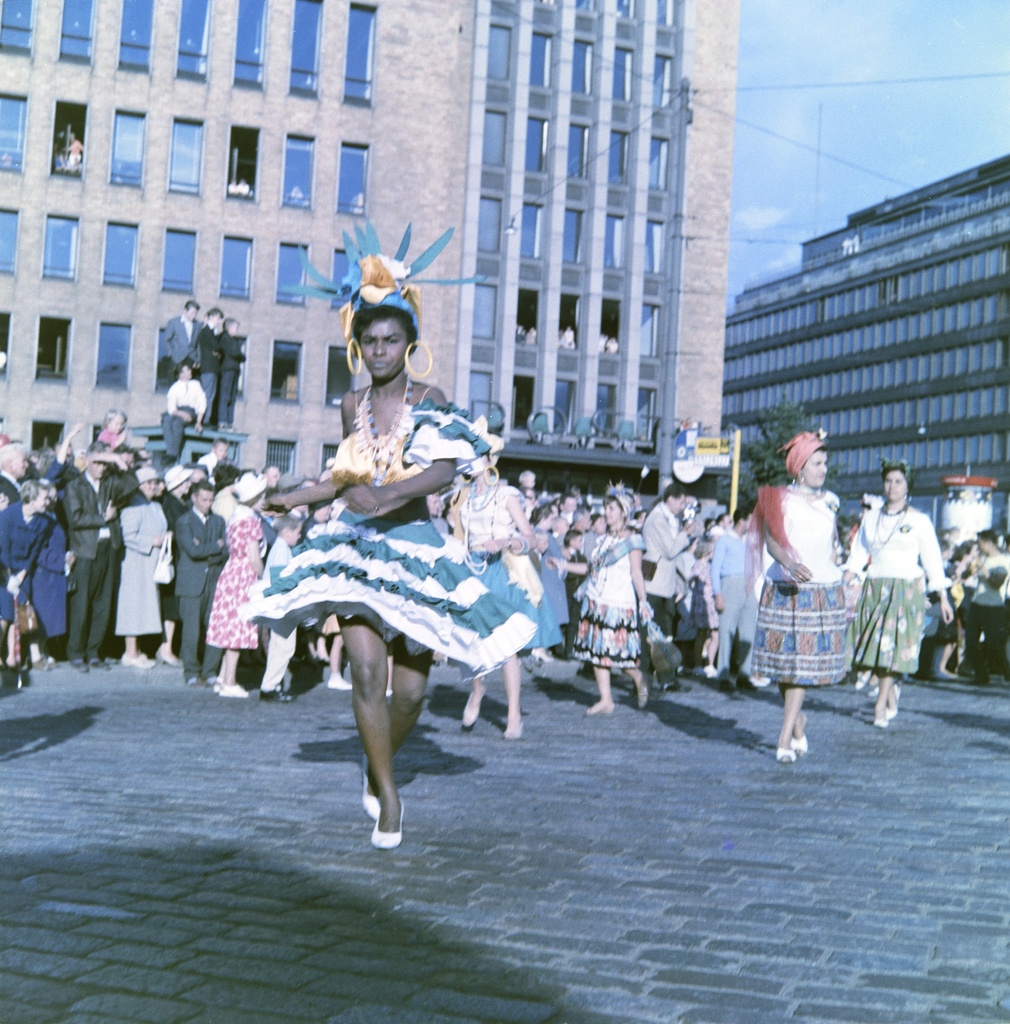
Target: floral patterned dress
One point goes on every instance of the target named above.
(227, 629)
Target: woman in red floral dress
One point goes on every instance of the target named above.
(243, 568)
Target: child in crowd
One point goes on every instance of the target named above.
(281, 648)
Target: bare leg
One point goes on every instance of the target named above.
(793, 697)
(641, 690)
(131, 646)
(229, 668)
(383, 725)
(712, 647)
(472, 710)
(512, 677)
(885, 698)
(605, 705)
(336, 653)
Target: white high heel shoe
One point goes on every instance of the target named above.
(388, 840)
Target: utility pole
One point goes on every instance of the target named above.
(668, 422)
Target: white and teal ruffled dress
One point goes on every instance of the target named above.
(397, 572)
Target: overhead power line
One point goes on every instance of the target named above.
(859, 83)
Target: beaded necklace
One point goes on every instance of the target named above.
(382, 449)
(877, 545)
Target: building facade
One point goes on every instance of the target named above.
(156, 152)
(893, 333)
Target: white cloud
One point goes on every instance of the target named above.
(760, 218)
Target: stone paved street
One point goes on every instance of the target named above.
(170, 856)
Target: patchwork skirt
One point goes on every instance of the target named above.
(801, 637)
(608, 635)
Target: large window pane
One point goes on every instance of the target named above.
(60, 259)
(180, 252)
(128, 149)
(485, 299)
(582, 67)
(243, 162)
(236, 267)
(338, 374)
(529, 241)
(69, 126)
(654, 247)
(250, 38)
(54, 341)
(113, 356)
(284, 371)
(489, 225)
(8, 240)
(571, 246)
(499, 50)
(12, 132)
(650, 331)
(187, 148)
(340, 266)
(75, 39)
(120, 254)
(578, 150)
(135, 34)
(659, 154)
(622, 74)
(617, 164)
(494, 138)
(289, 274)
(480, 393)
(540, 60)
(613, 242)
(662, 76)
(5, 339)
(194, 22)
(16, 25)
(536, 144)
(305, 46)
(298, 154)
(360, 53)
(353, 179)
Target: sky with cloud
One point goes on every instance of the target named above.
(933, 100)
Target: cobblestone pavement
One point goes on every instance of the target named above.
(170, 856)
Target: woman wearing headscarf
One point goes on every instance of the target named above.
(900, 545)
(800, 638)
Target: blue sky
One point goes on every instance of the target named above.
(907, 135)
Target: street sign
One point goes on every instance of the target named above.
(712, 452)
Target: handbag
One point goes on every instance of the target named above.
(28, 619)
(649, 570)
(164, 570)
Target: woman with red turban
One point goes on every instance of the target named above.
(800, 639)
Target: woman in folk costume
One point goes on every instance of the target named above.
(800, 639)
(898, 547)
(398, 587)
(489, 519)
(614, 602)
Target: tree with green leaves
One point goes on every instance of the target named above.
(762, 464)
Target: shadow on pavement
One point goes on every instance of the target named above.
(419, 755)
(20, 737)
(216, 934)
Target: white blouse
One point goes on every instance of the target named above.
(809, 521)
(902, 547)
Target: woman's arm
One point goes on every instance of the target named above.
(637, 579)
(278, 504)
(252, 553)
(796, 569)
(366, 500)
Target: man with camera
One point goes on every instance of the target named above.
(669, 527)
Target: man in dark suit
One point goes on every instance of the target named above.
(13, 468)
(96, 539)
(200, 539)
(231, 366)
(211, 351)
(181, 335)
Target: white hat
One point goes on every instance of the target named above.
(146, 474)
(249, 487)
(177, 476)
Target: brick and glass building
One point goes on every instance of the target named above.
(154, 152)
(894, 333)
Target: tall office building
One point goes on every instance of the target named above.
(153, 152)
(894, 333)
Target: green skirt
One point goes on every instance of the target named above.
(888, 628)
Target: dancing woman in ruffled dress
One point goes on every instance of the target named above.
(396, 584)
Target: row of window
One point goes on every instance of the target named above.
(119, 263)
(543, 68)
(570, 333)
(861, 380)
(136, 40)
(185, 164)
(953, 453)
(580, 157)
(114, 347)
(959, 317)
(912, 284)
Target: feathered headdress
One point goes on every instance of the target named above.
(623, 497)
(374, 279)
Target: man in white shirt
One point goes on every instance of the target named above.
(187, 406)
(667, 532)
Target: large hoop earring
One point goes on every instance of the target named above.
(354, 356)
(431, 360)
(492, 476)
